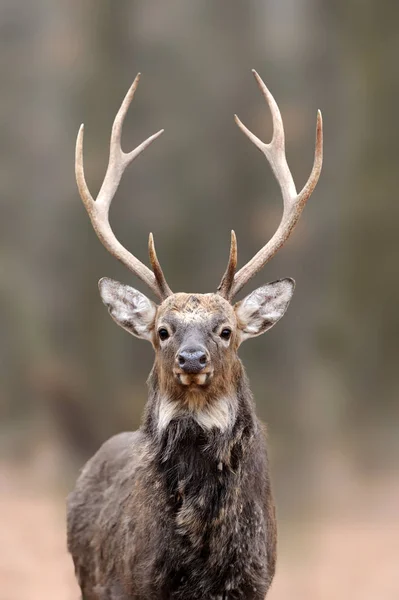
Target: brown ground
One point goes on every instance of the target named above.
(354, 555)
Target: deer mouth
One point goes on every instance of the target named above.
(191, 379)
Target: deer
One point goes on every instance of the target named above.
(183, 508)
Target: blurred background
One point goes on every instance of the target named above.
(325, 379)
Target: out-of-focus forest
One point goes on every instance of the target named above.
(325, 379)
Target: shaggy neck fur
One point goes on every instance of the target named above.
(198, 435)
(205, 469)
(214, 406)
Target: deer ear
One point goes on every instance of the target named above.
(259, 311)
(129, 308)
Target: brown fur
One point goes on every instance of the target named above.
(196, 310)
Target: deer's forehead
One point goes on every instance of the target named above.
(195, 308)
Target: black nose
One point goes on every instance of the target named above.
(192, 360)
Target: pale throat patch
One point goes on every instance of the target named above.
(220, 413)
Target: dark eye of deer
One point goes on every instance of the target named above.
(225, 333)
(163, 334)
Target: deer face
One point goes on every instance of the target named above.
(196, 336)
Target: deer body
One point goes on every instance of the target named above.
(182, 508)
(182, 512)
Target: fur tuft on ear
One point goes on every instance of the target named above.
(129, 308)
(259, 311)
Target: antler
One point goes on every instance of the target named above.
(228, 277)
(98, 210)
(293, 203)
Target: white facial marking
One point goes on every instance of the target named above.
(221, 413)
(185, 379)
(200, 379)
(192, 317)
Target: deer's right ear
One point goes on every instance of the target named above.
(129, 308)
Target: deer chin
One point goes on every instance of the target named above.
(199, 379)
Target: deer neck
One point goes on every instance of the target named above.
(211, 421)
(201, 458)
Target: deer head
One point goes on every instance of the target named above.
(196, 336)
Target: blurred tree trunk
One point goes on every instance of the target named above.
(370, 292)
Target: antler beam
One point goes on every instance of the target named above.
(294, 203)
(98, 210)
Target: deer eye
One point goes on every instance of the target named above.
(163, 334)
(225, 334)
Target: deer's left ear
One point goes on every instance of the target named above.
(259, 311)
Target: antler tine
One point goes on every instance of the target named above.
(225, 286)
(293, 203)
(98, 209)
(156, 267)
